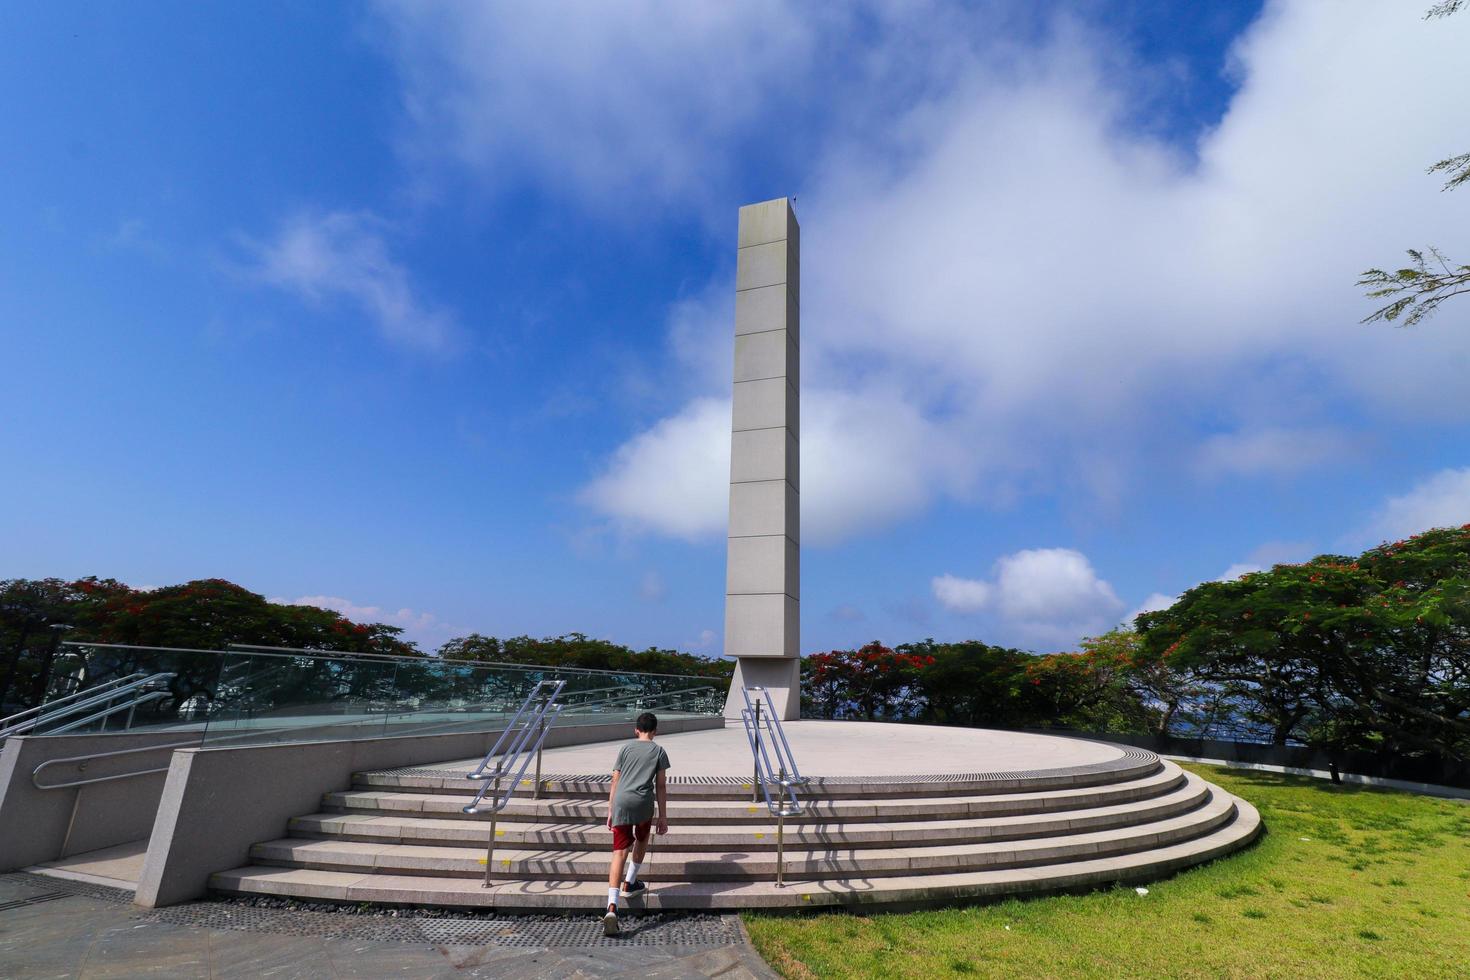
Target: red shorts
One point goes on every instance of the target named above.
(624, 833)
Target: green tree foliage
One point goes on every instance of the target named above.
(208, 614)
(871, 683)
(1416, 291)
(1370, 652)
(582, 651)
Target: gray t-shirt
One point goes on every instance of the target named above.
(638, 763)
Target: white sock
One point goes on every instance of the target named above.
(612, 897)
(631, 875)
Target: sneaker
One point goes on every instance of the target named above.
(633, 887)
(610, 923)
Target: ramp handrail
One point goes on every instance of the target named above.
(521, 742)
(104, 698)
(10, 720)
(786, 777)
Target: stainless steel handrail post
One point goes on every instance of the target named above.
(755, 779)
(490, 844)
(781, 847)
(541, 736)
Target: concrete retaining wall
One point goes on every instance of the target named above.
(33, 822)
(217, 803)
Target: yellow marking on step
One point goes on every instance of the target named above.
(806, 898)
(500, 833)
(759, 836)
(751, 809)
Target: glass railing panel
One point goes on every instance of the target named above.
(242, 696)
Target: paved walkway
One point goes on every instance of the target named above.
(52, 928)
(844, 748)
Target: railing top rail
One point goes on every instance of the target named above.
(298, 652)
(86, 691)
(98, 695)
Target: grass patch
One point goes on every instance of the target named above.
(1338, 904)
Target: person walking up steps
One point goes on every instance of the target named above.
(637, 782)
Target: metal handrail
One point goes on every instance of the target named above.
(90, 702)
(638, 697)
(36, 772)
(84, 692)
(787, 777)
(520, 747)
(111, 710)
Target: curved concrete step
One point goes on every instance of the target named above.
(801, 861)
(1239, 828)
(523, 809)
(1135, 764)
(758, 833)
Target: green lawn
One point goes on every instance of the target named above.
(1345, 882)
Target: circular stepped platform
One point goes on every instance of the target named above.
(887, 838)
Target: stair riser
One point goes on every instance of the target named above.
(594, 789)
(924, 892)
(918, 834)
(519, 811)
(667, 867)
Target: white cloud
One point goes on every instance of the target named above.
(343, 255)
(423, 628)
(1046, 295)
(1052, 586)
(866, 461)
(1274, 451)
(1238, 569)
(961, 595)
(1443, 500)
(639, 100)
(672, 478)
(1050, 594)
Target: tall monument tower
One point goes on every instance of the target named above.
(763, 564)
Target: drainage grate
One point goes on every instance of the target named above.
(66, 887)
(385, 924)
(21, 903)
(520, 931)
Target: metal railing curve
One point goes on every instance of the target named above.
(785, 777)
(521, 741)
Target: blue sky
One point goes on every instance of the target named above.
(422, 311)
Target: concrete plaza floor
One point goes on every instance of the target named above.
(844, 748)
(90, 933)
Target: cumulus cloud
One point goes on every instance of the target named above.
(343, 255)
(672, 478)
(1051, 594)
(991, 239)
(1442, 500)
(423, 628)
(866, 461)
(961, 595)
(925, 252)
(602, 100)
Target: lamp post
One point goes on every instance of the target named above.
(38, 690)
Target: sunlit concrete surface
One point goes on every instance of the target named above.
(849, 748)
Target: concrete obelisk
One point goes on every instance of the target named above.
(763, 567)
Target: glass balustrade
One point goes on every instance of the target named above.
(244, 696)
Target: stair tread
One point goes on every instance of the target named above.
(538, 894)
(1189, 787)
(1210, 809)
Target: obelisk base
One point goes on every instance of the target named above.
(780, 676)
